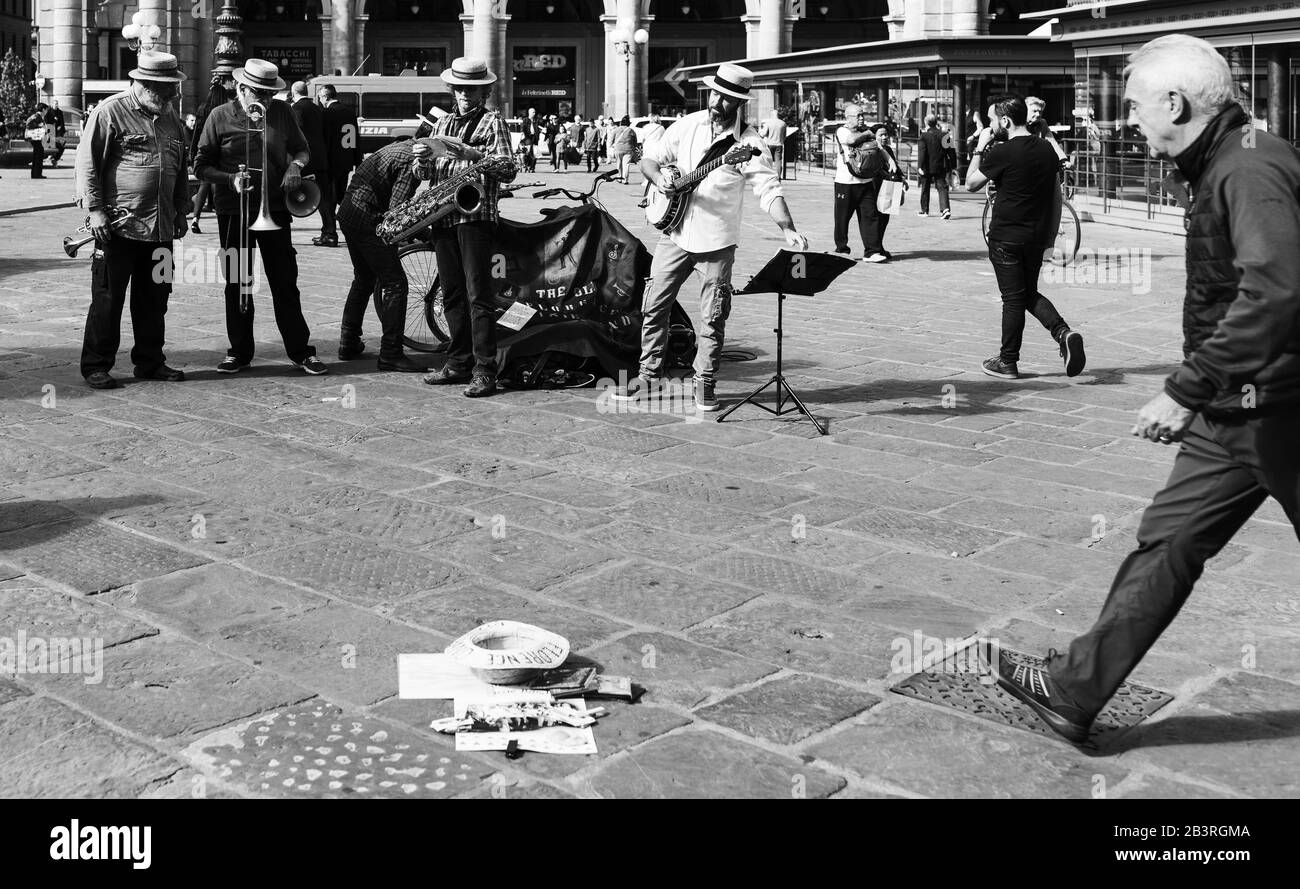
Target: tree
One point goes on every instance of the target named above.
(17, 94)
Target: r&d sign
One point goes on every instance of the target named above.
(540, 62)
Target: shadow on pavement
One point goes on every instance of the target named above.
(1235, 728)
(27, 522)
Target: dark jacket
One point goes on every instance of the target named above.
(307, 114)
(1241, 314)
(934, 158)
(382, 181)
(225, 144)
(342, 138)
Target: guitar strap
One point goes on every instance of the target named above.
(717, 149)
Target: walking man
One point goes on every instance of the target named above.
(1024, 171)
(859, 170)
(132, 156)
(936, 158)
(310, 118)
(773, 129)
(1234, 403)
(710, 230)
(343, 152)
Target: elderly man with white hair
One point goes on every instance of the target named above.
(1234, 402)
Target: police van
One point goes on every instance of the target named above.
(387, 107)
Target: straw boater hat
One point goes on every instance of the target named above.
(731, 80)
(468, 71)
(157, 66)
(260, 74)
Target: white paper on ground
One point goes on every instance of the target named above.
(551, 739)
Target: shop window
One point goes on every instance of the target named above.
(390, 106)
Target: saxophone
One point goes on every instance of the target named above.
(462, 193)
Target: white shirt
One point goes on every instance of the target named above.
(842, 174)
(712, 219)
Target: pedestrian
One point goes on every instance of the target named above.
(773, 131)
(310, 118)
(342, 148)
(220, 91)
(532, 135)
(132, 157)
(1024, 171)
(1233, 403)
(36, 129)
(58, 130)
(561, 149)
(936, 158)
(385, 179)
(552, 133)
(591, 146)
(707, 238)
(1037, 126)
(463, 241)
(622, 142)
(859, 169)
(232, 137)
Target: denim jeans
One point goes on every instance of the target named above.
(1016, 267)
(668, 272)
(464, 269)
(940, 183)
(375, 262)
(1223, 472)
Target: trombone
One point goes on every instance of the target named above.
(264, 223)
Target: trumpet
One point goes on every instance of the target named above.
(264, 223)
(118, 217)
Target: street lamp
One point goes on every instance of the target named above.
(140, 35)
(628, 43)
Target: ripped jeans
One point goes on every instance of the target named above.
(671, 267)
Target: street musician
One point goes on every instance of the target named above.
(132, 157)
(232, 137)
(462, 240)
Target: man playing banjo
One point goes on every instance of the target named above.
(707, 235)
(463, 240)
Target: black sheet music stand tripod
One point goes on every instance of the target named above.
(798, 274)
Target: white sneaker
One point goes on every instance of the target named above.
(876, 257)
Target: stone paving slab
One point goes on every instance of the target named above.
(53, 752)
(360, 572)
(166, 688)
(37, 611)
(652, 595)
(219, 530)
(525, 559)
(788, 710)
(91, 557)
(691, 764)
(676, 671)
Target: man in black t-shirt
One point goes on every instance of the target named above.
(1024, 170)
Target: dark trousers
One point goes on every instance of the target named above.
(60, 146)
(328, 226)
(339, 187)
(146, 265)
(1223, 472)
(1016, 267)
(38, 157)
(279, 271)
(375, 264)
(860, 199)
(464, 268)
(940, 183)
(530, 159)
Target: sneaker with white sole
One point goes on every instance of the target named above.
(1003, 370)
(1035, 687)
(876, 257)
(1072, 353)
(312, 365)
(231, 365)
(632, 389)
(706, 397)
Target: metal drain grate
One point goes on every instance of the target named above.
(950, 683)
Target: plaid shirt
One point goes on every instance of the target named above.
(490, 137)
(384, 180)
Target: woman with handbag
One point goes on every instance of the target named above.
(35, 135)
(622, 141)
(859, 169)
(893, 186)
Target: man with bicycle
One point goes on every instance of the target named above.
(1024, 170)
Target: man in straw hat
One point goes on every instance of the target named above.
(132, 156)
(463, 241)
(706, 240)
(232, 137)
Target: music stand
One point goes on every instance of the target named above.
(799, 274)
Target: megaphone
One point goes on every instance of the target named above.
(303, 200)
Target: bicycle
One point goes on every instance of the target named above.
(1069, 235)
(426, 328)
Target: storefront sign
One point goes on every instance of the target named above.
(541, 92)
(294, 62)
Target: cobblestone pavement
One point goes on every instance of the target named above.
(254, 551)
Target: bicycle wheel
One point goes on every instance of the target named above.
(1068, 236)
(984, 220)
(426, 325)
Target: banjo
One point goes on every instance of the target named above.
(665, 212)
